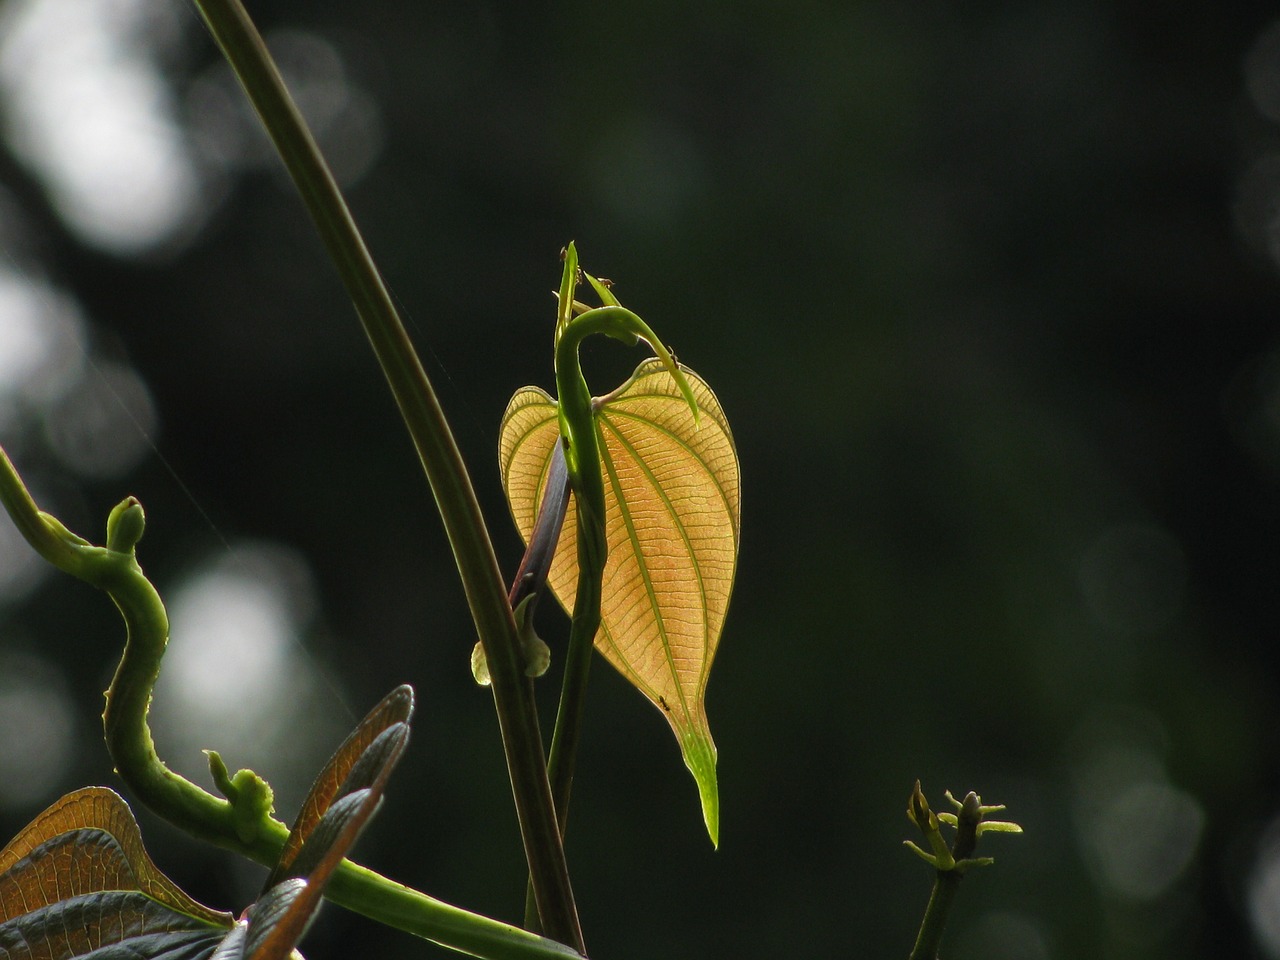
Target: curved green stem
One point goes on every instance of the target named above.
(450, 484)
(114, 569)
(49, 537)
(581, 443)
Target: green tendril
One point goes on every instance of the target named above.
(242, 821)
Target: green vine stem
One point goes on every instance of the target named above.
(450, 484)
(580, 443)
(243, 824)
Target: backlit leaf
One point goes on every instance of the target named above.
(672, 520)
(339, 805)
(395, 708)
(77, 879)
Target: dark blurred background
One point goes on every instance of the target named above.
(989, 293)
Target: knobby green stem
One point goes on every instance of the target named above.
(450, 484)
(115, 570)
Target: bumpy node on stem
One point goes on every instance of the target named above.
(251, 797)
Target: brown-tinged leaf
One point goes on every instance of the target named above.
(395, 707)
(77, 880)
(103, 852)
(345, 796)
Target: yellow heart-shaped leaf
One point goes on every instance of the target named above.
(672, 520)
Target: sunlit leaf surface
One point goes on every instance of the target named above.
(672, 525)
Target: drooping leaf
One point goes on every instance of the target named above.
(77, 879)
(672, 518)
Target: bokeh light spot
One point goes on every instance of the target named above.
(1263, 891)
(87, 110)
(35, 729)
(1257, 207)
(21, 568)
(1143, 838)
(344, 119)
(1133, 578)
(236, 676)
(41, 339)
(1137, 831)
(104, 425)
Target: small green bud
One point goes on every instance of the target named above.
(535, 652)
(968, 823)
(221, 777)
(480, 665)
(125, 525)
(918, 811)
(255, 799)
(537, 655)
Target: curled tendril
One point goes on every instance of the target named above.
(242, 822)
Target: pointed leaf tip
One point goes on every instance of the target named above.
(699, 752)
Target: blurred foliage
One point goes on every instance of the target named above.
(987, 292)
